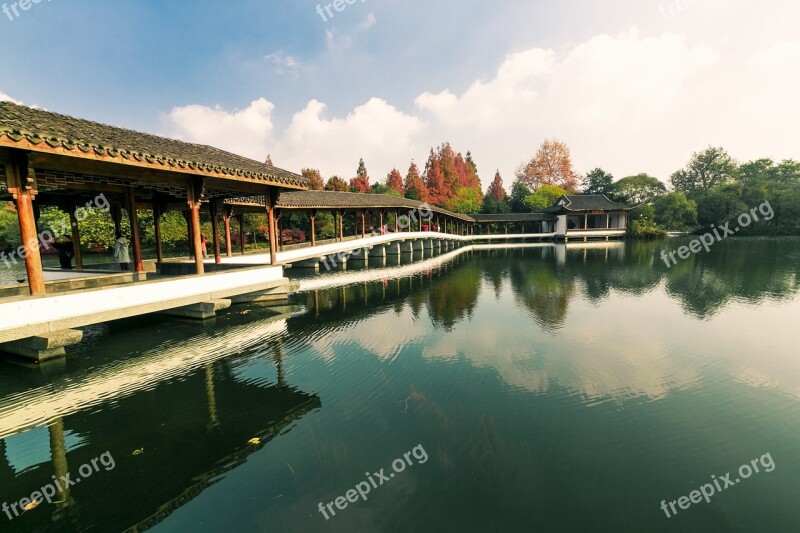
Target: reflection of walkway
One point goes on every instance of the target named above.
(68, 395)
(223, 420)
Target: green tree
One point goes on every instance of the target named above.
(707, 169)
(466, 200)
(675, 212)
(518, 193)
(544, 197)
(335, 183)
(720, 204)
(639, 189)
(597, 181)
(361, 182)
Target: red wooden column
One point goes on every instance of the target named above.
(271, 198)
(157, 211)
(227, 212)
(312, 217)
(194, 195)
(133, 218)
(21, 182)
(240, 219)
(214, 208)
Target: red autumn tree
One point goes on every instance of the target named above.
(439, 191)
(473, 180)
(414, 186)
(552, 165)
(496, 191)
(395, 181)
(361, 182)
(314, 178)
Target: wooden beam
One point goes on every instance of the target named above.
(76, 236)
(214, 209)
(194, 199)
(136, 239)
(21, 183)
(312, 217)
(157, 210)
(227, 212)
(271, 198)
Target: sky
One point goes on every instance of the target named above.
(630, 85)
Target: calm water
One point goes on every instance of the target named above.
(542, 389)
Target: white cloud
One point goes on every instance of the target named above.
(284, 63)
(368, 22)
(5, 98)
(248, 132)
(628, 102)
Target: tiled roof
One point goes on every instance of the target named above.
(351, 200)
(588, 202)
(513, 217)
(21, 124)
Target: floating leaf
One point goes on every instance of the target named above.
(254, 441)
(31, 506)
(140, 451)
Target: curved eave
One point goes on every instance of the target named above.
(62, 148)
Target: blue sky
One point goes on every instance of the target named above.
(633, 86)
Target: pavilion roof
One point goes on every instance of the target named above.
(38, 130)
(587, 202)
(351, 200)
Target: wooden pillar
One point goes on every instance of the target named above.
(608, 221)
(21, 182)
(586, 221)
(341, 226)
(227, 212)
(312, 217)
(363, 223)
(271, 198)
(133, 218)
(240, 219)
(116, 216)
(279, 223)
(396, 221)
(157, 209)
(214, 209)
(194, 195)
(380, 214)
(76, 236)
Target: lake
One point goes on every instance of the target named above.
(549, 388)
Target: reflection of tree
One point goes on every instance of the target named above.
(749, 270)
(538, 286)
(455, 297)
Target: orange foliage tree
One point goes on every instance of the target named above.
(395, 181)
(314, 178)
(552, 165)
(414, 186)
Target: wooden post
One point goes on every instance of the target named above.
(271, 198)
(380, 211)
(116, 216)
(133, 218)
(194, 195)
(21, 182)
(363, 223)
(214, 209)
(396, 221)
(240, 219)
(313, 216)
(341, 226)
(279, 223)
(586, 221)
(227, 212)
(157, 209)
(76, 236)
